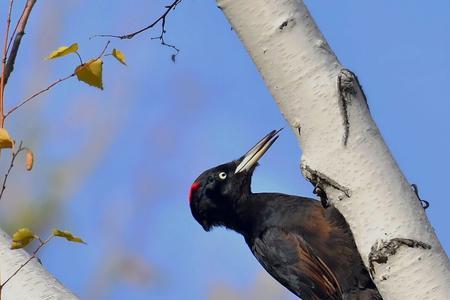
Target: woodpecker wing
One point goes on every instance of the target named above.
(291, 261)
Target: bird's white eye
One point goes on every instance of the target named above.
(222, 175)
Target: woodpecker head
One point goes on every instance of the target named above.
(214, 194)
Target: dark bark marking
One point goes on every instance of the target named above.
(290, 22)
(348, 84)
(425, 204)
(362, 91)
(320, 181)
(381, 253)
(346, 91)
(284, 24)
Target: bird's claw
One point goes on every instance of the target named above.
(323, 197)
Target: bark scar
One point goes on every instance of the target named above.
(348, 85)
(320, 181)
(382, 250)
(284, 24)
(290, 22)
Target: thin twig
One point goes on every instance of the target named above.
(37, 94)
(163, 42)
(42, 244)
(161, 19)
(13, 158)
(18, 38)
(15, 29)
(5, 53)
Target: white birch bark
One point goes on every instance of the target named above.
(30, 283)
(343, 151)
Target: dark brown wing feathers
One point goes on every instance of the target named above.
(314, 266)
(289, 258)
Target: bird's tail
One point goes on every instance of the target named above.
(367, 294)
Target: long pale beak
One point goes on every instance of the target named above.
(256, 152)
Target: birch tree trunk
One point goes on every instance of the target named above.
(33, 282)
(344, 154)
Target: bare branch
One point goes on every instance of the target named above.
(20, 27)
(14, 33)
(5, 53)
(161, 19)
(13, 158)
(37, 94)
(163, 42)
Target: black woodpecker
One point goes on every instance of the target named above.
(308, 249)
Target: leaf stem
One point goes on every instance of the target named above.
(79, 57)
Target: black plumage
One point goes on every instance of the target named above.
(308, 249)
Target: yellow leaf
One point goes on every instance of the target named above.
(68, 236)
(16, 245)
(63, 51)
(119, 56)
(21, 238)
(29, 160)
(5, 139)
(91, 73)
(23, 234)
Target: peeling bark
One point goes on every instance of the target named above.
(382, 250)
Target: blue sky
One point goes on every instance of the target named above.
(158, 125)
